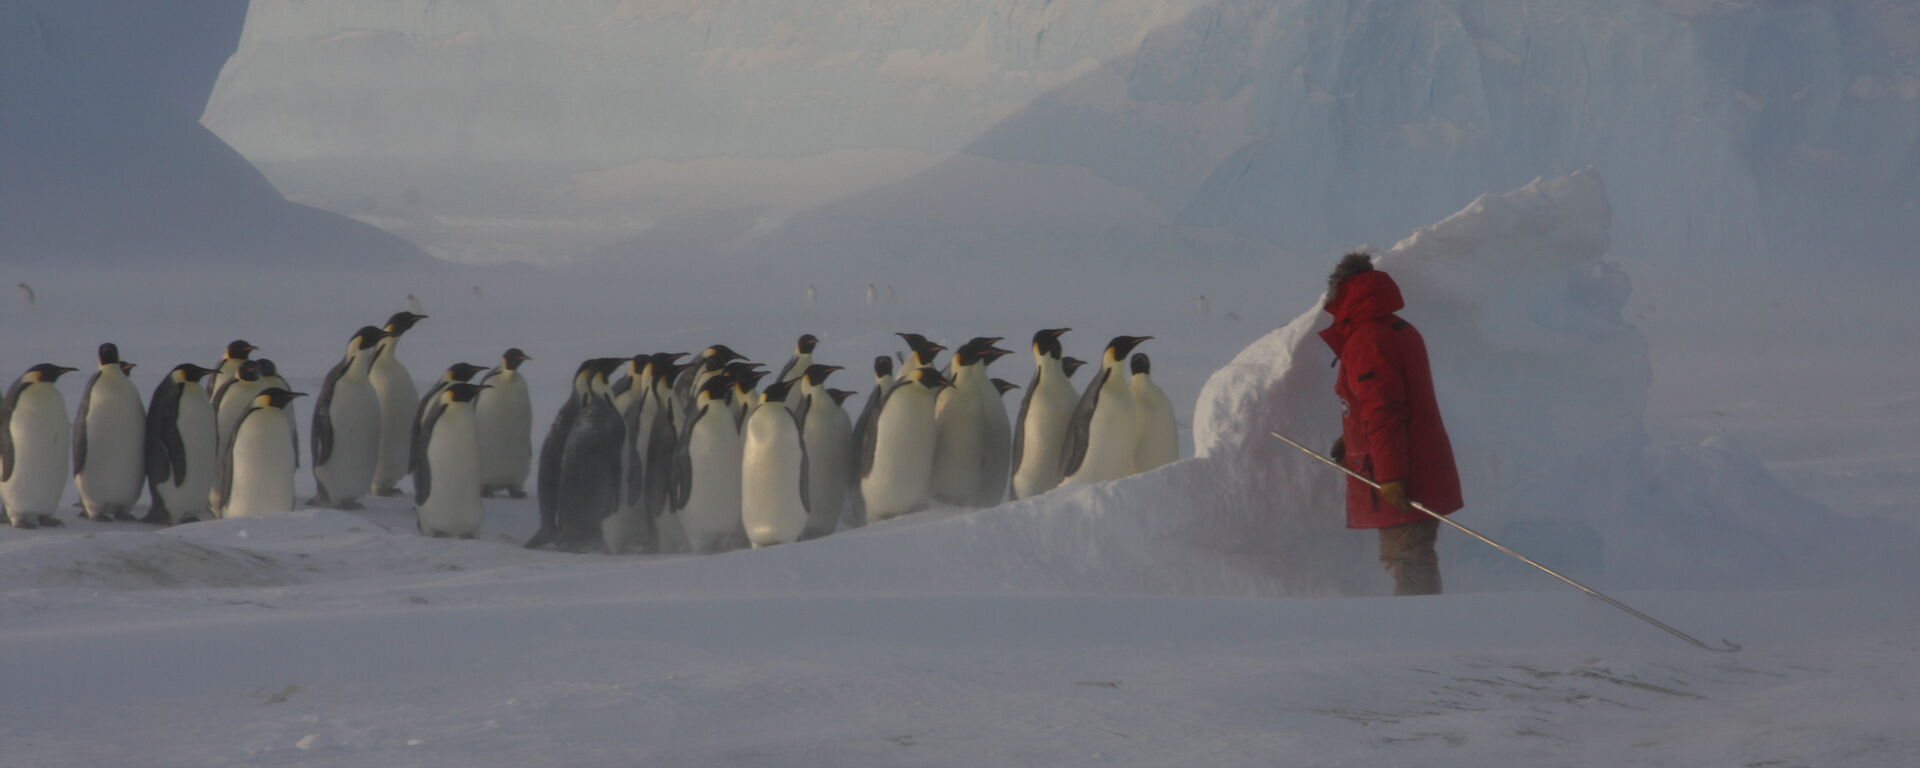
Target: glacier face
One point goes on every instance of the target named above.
(1727, 128)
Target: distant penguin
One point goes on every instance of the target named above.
(458, 373)
(1071, 364)
(1101, 437)
(233, 400)
(828, 435)
(346, 425)
(1002, 386)
(182, 450)
(813, 295)
(393, 385)
(26, 296)
(1040, 431)
(872, 294)
(504, 414)
(1200, 308)
(773, 470)
(257, 470)
(269, 378)
(553, 449)
(802, 357)
(960, 428)
(33, 447)
(446, 475)
(109, 438)
(706, 475)
(413, 304)
(1158, 439)
(237, 351)
(896, 460)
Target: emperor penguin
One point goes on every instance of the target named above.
(504, 414)
(346, 425)
(828, 435)
(237, 352)
(109, 438)
(229, 404)
(592, 467)
(26, 295)
(802, 357)
(705, 365)
(1040, 431)
(269, 378)
(744, 397)
(553, 451)
(855, 513)
(458, 373)
(706, 472)
(1158, 438)
(773, 470)
(660, 418)
(921, 352)
(33, 447)
(997, 448)
(1070, 365)
(446, 473)
(896, 460)
(182, 448)
(394, 387)
(257, 470)
(631, 390)
(1101, 436)
(960, 427)
(873, 294)
(631, 524)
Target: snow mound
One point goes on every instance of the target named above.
(131, 560)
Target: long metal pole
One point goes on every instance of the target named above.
(1729, 646)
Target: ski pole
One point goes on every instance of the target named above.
(1730, 646)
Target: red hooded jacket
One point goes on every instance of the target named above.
(1390, 419)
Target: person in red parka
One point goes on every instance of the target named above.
(1390, 424)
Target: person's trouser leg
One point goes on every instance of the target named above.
(1407, 552)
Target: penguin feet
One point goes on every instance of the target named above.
(123, 514)
(350, 505)
(487, 491)
(24, 523)
(52, 522)
(156, 515)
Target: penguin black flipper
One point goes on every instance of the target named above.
(620, 387)
(416, 450)
(1080, 429)
(785, 368)
(800, 422)
(6, 427)
(423, 469)
(80, 424)
(682, 481)
(871, 440)
(322, 415)
(491, 372)
(166, 449)
(1020, 426)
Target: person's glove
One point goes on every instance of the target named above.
(1394, 494)
(1339, 452)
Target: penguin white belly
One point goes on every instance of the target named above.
(1045, 433)
(239, 398)
(712, 513)
(505, 417)
(1110, 439)
(40, 451)
(393, 386)
(453, 461)
(959, 438)
(262, 468)
(1158, 441)
(902, 456)
(996, 452)
(355, 413)
(771, 507)
(116, 448)
(186, 496)
(829, 441)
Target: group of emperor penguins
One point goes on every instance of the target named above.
(669, 457)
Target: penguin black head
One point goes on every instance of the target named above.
(724, 352)
(126, 367)
(513, 358)
(882, 366)
(109, 354)
(462, 392)
(401, 322)
(990, 354)
(267, 368)
(1071, 364)
(741, 368)
(1004, 386)
(746, 381)
(238, 349)
(367, 337)
(922, 348)
(47, 372)
(1122, 345)
(191, 372)
(777, 391)
(716, 388)
(463, 371)
(249, 370)
(817, 374)
(605, 366)
(930, 378)
(666, 365)
(275, 397)
(839, 395)
(805, 344)
(984, 341)
(1141, 364)
(1047, 342)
